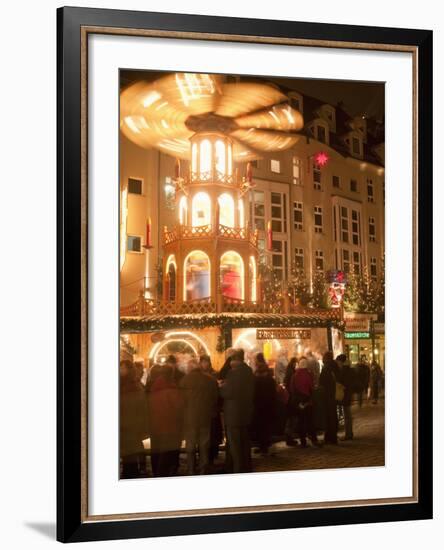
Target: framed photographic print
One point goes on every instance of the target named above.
(244, 274)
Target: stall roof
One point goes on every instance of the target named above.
(306, 319)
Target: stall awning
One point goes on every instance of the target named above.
(307, 319)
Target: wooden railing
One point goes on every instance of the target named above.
(202, 231)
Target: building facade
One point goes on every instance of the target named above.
(317, 206)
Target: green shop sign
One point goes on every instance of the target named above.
(356, 335)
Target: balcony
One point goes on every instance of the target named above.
(208, 231)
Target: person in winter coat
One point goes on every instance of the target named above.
(375, 381)
(281, 367)
(200, 393)
(216, 432)
(290, 426)
(301, 391)
(363, 371)
(348, 380)
(226, 367)
(165, 407)
(327, 381)
(265, 404)
(238, 394)
(133, 420)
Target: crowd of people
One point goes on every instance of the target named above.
(241, 404)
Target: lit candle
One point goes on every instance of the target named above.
(269, 236)
(148, 232)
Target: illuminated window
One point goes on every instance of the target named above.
(297, 171)
(319, 260)
(183, 211)
(275, 166)
(226, 210)
(299, 258)
(220, 157)
(253, 279)
(232, 275)
(171, 279)
(241, 213)
(205, 158)
(201, 210)
(194, 158)
(196, 276)
(170, 194)
(371, 230)
(230, 159)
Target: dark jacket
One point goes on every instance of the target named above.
(265, 397)
(200, 394)
(327, 381)
(133, 419)
(348, 380)
(238, 395)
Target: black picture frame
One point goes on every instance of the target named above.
(71, 525)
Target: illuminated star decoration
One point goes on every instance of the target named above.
(321, 158)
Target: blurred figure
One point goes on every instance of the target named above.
(200, 394)
(133, 421)
(165, 406)
(265, 403)
(216, 431)
(348, 380)
(375, 381)
(314, 368)
(178, 374)
(226, 367)
(327, 382)
(281, 366)
(363, 374)
(290, 426)
(238, 393)
(301, 389)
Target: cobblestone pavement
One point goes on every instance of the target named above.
(366, 449)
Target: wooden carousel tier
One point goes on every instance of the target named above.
(208, 231)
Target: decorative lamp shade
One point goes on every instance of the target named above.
(165, 113)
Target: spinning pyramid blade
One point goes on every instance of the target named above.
(277, 117)
(239, 98)
(265, 140)
(154, 114)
